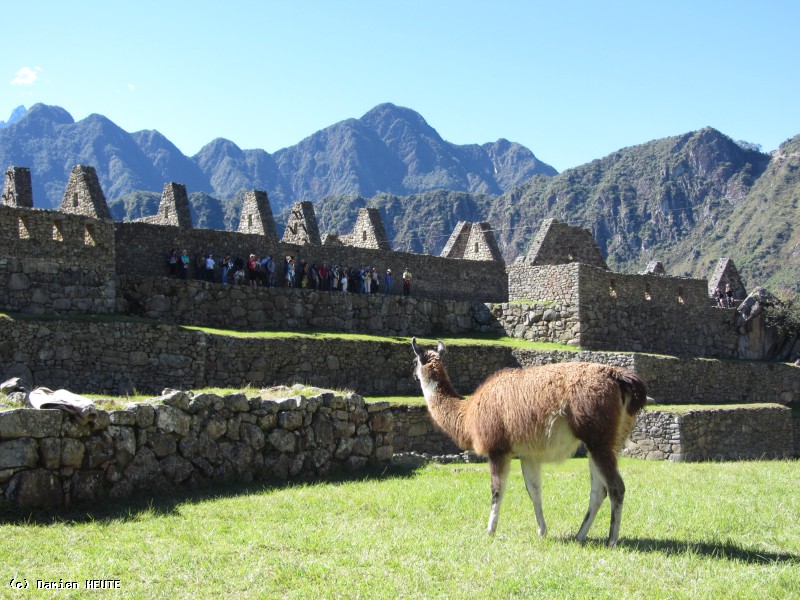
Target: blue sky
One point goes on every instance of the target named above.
(573, 81)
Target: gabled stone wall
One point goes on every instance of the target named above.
(173, 209)
(83, 194)
(557, 243)
(17, 190)
(53, 262)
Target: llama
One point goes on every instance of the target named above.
(540, 414)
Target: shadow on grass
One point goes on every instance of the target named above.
(723, 551)
(169, 502)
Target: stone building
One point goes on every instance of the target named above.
(725, 273)
(302, 226)
(83, 195)
(17, 190)
(472, 241)
(256, 217)
(557, 243)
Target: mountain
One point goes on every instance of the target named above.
(390, 149)
(16, 115)
(686, 201)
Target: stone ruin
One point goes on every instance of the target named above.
(557, 243)
(654, 267)
(18, 190)
(256, 216)
(368, 232)
(302, 226)
(83, 195)
(472, 241)
(725, 273)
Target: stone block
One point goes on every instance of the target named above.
(29, 422)
(35, 488)
(172, 420)
(21, 452)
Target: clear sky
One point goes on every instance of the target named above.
(571, 80)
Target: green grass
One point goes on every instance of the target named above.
(709, 530)
(475, 339)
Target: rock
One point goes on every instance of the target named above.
(35, 488)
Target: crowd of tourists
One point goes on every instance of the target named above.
(264, 271)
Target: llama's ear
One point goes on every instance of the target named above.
(440, 349)
(417, 349)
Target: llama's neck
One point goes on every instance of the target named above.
(447, 408)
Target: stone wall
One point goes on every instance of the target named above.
(651, 313)
(671, 380)
(52, 262)
(123, 357)
(414, 431)
(535, 321)
(243, 307)
(141, 248)
(119, 357)
(713, 434)
(47, 458)
(602, 310)
(733, 433)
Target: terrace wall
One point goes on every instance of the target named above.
(141, 247)
(121, 357)
(47, 458)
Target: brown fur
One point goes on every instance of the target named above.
(523, 412)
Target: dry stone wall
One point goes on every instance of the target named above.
(122, 357)
(601, 310)
(713, 434)
(141, 248)
(52, 262)
(244, 307)
(47, 458)
(671, 380)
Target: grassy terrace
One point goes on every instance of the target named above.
(689, 530)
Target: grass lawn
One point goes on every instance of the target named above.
(708, 530)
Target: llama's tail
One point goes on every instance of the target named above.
(634, 393)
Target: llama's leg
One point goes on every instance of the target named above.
(605, 466)
(498, 468)
(596, 497)
(532, 473)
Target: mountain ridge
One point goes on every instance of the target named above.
(390, 149)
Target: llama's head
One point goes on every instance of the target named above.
(428, 368)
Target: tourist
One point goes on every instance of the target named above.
(729, 295)
(210, 268)
(387, 282)
(373, 274)
(268, 267)
(172, 262)
(323, 277)
(227, 265)
(184, 263)
(252, 271)
(406, 282)
(238, 270)
(200, 266)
